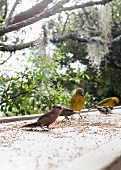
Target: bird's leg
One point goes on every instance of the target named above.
(43, 129)
(66, 118)
(72, 117)
(80, 116)
(49, 128)
(89, 109)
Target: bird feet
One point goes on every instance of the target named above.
(80, 116)
(46, 129)
(66, 119)
(72, 117)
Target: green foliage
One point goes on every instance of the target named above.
(39, 86)
(33, 90)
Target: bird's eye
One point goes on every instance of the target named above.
(59, 107)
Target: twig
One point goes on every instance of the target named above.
(6, 59)
(8, 19)
(64, 26)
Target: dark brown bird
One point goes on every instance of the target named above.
(47, 119)
(104, 109)
(67, 112)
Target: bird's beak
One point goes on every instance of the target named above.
(62, 108)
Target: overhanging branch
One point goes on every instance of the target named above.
(36, 9)
(58, 8)
(45, 14)
(64, 38)
(13, 48)
(79, 39)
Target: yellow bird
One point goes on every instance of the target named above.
(78, 100)
(111, 101)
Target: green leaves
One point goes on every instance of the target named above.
(34, 90)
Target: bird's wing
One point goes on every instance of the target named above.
(68, 110)
(41, 117)
(104, 102)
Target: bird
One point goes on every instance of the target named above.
(78, 100)
(111, 101)
(104, 109)
(46, 119)
(66, 112)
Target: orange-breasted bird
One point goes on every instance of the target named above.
(78, 100)
(47, 119)
(111, 101)
(104, 109)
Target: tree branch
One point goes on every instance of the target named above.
(75, 37)
(8, 19)
(2, 3)
(72, 36)
(3, 11)
(13, 48)
(64, 26)
(6, 59)
(45, 14)
(58, 8)
(37, 9)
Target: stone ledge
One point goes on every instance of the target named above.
(106, 157)
(90, 143)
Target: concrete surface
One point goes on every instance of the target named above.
(91, 143)
(106, 157)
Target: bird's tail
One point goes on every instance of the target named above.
(30, 125)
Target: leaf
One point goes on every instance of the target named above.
(77, 80)
(2, 108)
(58, 84)
(18, 107)
(83, 76)
(10, 108)
(87, 76)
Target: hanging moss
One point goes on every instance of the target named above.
(98, 51)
